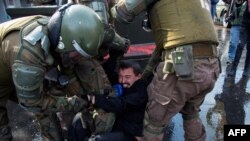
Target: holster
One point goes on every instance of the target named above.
(179, 60)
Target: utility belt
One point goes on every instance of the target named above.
(199, 50)
(180, 59)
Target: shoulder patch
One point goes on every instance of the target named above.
(34, 36)
(43, 21)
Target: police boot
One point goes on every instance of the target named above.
(5, 133)
(194, 130)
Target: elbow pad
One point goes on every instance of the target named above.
(125, 11)
(113, 41)
(28, 81)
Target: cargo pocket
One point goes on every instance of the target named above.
(159, 95)
(157, 107)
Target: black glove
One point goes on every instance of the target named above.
(121, 50)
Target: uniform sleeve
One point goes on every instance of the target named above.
(130, 101)
(125, 11)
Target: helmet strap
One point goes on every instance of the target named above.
(80, 50)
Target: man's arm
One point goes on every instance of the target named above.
(132, 99)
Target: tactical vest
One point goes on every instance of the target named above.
(180, 22)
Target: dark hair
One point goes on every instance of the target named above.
(124, 64)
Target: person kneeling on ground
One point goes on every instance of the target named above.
(129, 106)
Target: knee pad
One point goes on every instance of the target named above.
(153, 127)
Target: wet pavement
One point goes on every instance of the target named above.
(227, 103)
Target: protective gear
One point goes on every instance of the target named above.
(8, 32)
(76, 32)
(16, 24)
(164, 25)
(126, 11)
(86, 42)
(28, 80)
(112, 40)
(22, 55)
(173, 24)
(184, 34)
(99, 6)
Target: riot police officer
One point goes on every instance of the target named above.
(112, 39)
(31, 46)
(113, 43)
(185, 62)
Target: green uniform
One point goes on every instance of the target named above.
(185, 62)
(26, 62)
(24, 66)
(112, 41)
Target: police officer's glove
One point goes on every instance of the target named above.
(126, 45)
(116, 53)
(72, 104)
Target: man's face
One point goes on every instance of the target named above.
(127, 77)
(69, 59)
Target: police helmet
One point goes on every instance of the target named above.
(76, 27)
